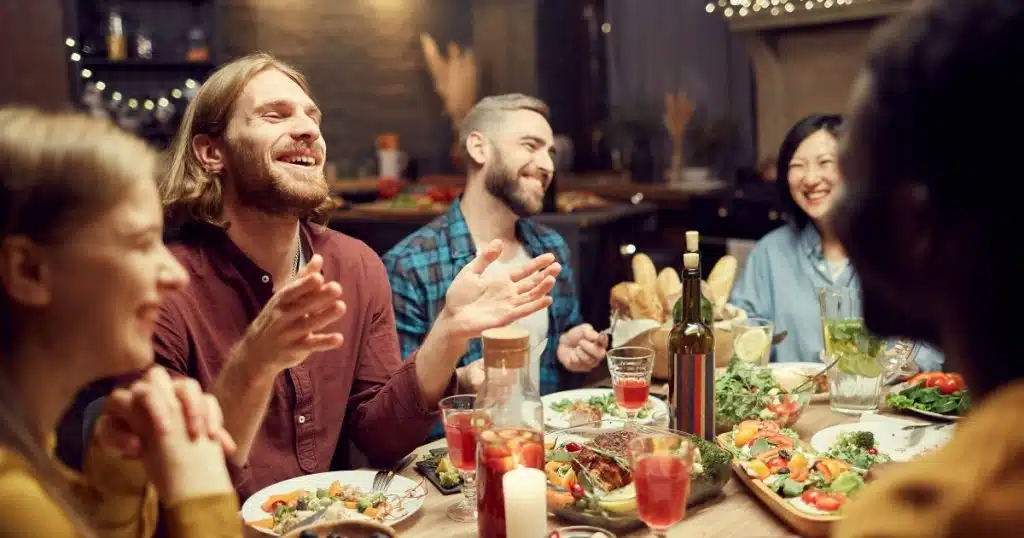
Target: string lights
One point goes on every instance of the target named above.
(744, 8)
(186, 90)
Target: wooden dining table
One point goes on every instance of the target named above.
(735, 513)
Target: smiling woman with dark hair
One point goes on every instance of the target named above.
(786, 268)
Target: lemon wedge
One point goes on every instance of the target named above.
(751, 345)
(620, 501)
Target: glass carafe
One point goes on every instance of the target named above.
(860, 360)
(510, 458)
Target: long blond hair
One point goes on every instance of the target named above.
(189, 192)
(57, 172)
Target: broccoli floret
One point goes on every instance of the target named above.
(714, 460)
(863, 440)
(449, 479)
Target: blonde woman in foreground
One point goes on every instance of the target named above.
(83, 272)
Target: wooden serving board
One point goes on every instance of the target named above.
(809, 525)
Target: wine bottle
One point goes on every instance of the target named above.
(691, 350)
(706, 308)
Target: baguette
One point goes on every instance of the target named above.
(721, 279)
(645, 274)
(621, 298)
(669, 287)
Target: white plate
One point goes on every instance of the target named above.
(930, 414)
(899, 444)
(556, 420)
(803, 369)
(251, 510)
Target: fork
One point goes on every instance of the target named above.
(382, 480)
(611, 328)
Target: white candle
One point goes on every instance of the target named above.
(526, 511)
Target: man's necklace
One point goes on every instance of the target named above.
(298, 255)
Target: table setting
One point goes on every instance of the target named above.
(792, 445)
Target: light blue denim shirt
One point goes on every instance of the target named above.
(779, 282)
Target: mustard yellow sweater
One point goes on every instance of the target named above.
(972, 487)
(115, 493)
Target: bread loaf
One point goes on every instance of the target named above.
(721, 279)
(645, 274)
(669, 288)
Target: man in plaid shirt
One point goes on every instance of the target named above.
(507, 145)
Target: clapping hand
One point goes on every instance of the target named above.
(476, 302)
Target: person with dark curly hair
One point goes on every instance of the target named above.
(928, 171)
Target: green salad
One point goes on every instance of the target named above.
(747, 391)
(858, 449)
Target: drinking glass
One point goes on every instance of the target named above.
(661, 476)
(631, 377)
(860, 360)
(460, 432)
(753, 340)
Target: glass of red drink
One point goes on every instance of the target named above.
(631, 378)
(661, 476)
(503, 450)
(460, 429)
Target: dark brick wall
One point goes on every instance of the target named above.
(364, 62)
(33, 61)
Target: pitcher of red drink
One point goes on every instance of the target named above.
(510, 405)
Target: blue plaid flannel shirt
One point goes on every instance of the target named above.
(424, 264)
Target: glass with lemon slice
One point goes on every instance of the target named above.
(752, 340)
(855, 381)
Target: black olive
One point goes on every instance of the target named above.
(784, 454)
(307, 534)
(302, 504)
(783, 470)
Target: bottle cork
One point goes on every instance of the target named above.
(506, 347)
(692, 240)
(691, 260)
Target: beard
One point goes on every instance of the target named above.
(271, 190)
(502, 182)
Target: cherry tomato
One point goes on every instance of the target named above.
(776, 463)
(274, 506)
(573, 447)
(811, 496)
(923, 377)
(948, 385)
(577, 490)
(793, 406)
(437, 194)
(959, 379)
(872, 451)
(935, 380)
(388, 188)
(827, 503)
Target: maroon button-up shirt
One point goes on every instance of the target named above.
(364, 384)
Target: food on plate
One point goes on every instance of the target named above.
(933, 392)
(858, 449)
(594, 409)
(341, 501)
(812, 483)
(748, 391)
(791, 376)
(570, 201)
(388, 187)
(441, 466)
(441, 194)
(595, 475)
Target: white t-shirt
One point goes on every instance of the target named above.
(537, 323)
